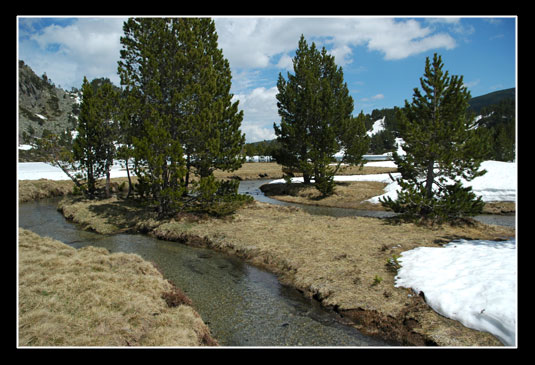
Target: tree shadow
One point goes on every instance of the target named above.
(283, 189)
(121, 213)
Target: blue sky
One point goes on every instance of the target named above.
(382, 57)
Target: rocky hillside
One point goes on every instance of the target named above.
(43, 106)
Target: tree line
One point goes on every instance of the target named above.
(172, 119)
(173, 123)
(443, 145)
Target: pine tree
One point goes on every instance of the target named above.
(442, 146)
(107, 99)
(211, 134)
(316, 122)
(93, 147)
(178, 108)
(148, 70)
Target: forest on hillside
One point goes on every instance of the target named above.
(495, 111)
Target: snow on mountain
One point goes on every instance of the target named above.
(377, 127)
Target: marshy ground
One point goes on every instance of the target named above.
(345, 263)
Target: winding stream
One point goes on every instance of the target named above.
(242, 305)
(252, 188)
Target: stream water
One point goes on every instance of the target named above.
(242, 305)
(252, 188)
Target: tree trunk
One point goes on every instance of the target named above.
(430, 179)
(108, 183)
(188, 167)
(129, 180)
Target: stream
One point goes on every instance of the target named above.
(252, 187)
(243, 305)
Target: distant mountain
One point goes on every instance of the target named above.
(42, 105)
(383, 127)
(479, 102)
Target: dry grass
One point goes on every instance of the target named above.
(346, 195)
(336, 260)
(108, 216)
(89, 297)
(253, 171)
(272, 170)
(38, 189)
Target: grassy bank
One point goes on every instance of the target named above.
(347, 194)
(38, 189)
(342, 262)
(352, 194)
(89, 297)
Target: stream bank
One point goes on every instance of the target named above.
(242, 304)
(335, 260)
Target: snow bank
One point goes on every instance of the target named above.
(473, 282)
(498, 184)
(41, 170)
(371, 177)
(378, 126)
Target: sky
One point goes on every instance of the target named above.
(382, 58)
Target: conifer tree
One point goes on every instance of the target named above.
(316, 122)
(211, 134)
(93, 147)
(178, 108)
(149, 60)
(442, 147)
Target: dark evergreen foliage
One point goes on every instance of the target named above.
(93, 147)
(442, 146)
(316, 122)
(177, 112)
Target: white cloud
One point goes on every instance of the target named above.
(91, 45)
(260, 112)
(256, 133)
(471, 84)
(252, 42)
(87, 47)
(285, 62)
(371, 98)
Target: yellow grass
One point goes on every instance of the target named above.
(346, 194)
(89, 297)
(335, 260)
(37, 189)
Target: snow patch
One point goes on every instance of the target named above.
(41, 170)
(473, 282)
(498, 184)
(377, 127)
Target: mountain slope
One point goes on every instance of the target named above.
(479, 102)
(42, 105)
